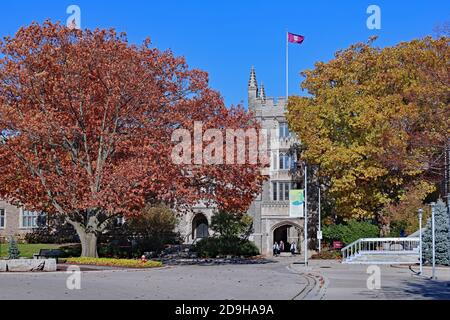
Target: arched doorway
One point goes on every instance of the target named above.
(281, 234)
(200, 227)
(289, 234)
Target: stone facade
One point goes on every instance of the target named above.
(270, 211)
(194, 224)
(10, 222)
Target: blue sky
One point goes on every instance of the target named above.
(227, 37)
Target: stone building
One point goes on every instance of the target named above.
(15, 221)
(270, 211)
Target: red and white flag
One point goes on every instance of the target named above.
(295, 38)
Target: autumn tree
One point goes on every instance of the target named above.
(86, 121)
(403, 214)
(375, 122)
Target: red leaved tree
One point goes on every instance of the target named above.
(86, 123)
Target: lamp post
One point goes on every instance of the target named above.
(306, 215)
(448, 197)
(320, 220)
(420, 242)
(433, 235)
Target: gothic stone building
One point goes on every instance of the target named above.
(270, 211)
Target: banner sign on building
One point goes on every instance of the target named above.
(297, 204)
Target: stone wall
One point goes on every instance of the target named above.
(28, 265)
(186, 219)
(12, 223)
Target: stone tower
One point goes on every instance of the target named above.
(270, 211)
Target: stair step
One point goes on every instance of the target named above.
(377, 258)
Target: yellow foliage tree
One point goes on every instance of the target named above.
(375, 121)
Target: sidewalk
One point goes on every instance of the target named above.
(349, 282)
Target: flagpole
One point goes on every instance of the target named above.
(287, 66)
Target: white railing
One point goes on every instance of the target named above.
(381, 246)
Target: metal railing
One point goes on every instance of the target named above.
(381, 246)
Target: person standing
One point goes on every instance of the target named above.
(293, 248)
(276, 249)
(281, 246)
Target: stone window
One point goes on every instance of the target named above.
(285, 161)
(284, 130)
(31, 220)
(280, 191)
(2, 219)
(274, 191)
(274, 160)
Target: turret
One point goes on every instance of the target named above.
(262, 94)
(252, 88)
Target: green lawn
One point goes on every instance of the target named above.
(27, 250)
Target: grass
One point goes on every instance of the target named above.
(125, 263)
(27, 250)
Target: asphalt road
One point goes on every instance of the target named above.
(280, 280)
(272, 281)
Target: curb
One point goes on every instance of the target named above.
(314, 292)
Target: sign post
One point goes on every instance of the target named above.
(420, 235)
(433, 235)
(320, 222)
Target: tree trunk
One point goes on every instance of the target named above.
(88, 244)
(384, 224)
(88, 236)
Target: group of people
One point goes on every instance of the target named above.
(280, 247)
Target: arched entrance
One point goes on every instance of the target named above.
(200, 227)
(288, 233)
(281, 234)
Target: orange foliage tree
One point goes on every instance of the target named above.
(86, 122)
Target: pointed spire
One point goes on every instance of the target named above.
(253, 84)
(262, 93)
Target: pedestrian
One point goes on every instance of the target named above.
(276, 249)
(293, 248)
(281, 246)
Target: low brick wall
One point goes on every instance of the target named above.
(28, 265)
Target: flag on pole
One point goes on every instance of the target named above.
(295, 38)
(291, 38)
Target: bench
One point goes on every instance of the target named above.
(49, 254)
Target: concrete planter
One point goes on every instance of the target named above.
(28, 265)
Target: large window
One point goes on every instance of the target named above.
(31, 220)
(274, 191)
(280, 191)
(285, 161)
(284, 130)
(2, 219)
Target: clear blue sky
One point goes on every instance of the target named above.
(227, 37)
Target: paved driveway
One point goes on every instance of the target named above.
(272, 281)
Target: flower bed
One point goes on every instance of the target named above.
(106, 262)
(327, 255)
